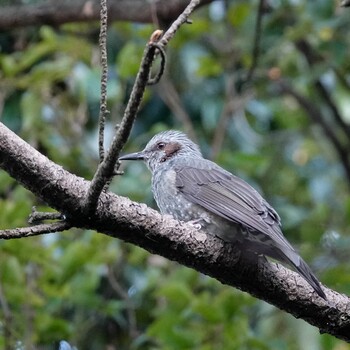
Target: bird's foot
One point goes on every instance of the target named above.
(196, 223)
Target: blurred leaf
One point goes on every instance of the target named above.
(238, 13)
(128, 60)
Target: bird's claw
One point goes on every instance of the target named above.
(195, 224)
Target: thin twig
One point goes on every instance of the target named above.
(129, 305)
(178, 22)
(316, 115)
(233, 104)
(155, 80)
(7, 320)
(104, 75)
(155, 20)
(105, 170)
(256, 46)
(313, 58)
(171, 98)
(227, 112)
(340, 75)
(327, 98)
(35, 230)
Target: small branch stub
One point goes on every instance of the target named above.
(155, 37)
(37, 216)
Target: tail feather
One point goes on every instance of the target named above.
(304, 270)
(290, 256)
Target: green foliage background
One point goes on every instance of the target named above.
(98, 292)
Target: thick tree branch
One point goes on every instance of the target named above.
(136, 223)
(60, 12)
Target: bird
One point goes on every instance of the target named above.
(197, 190)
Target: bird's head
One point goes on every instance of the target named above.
(163, 147)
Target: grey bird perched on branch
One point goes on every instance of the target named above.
(191, 188)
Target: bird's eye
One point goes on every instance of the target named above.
(160, 145)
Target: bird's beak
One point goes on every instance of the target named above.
(133, 156)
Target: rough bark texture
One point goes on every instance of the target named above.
(136, 223)
(59, 12)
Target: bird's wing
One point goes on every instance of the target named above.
(231, 198)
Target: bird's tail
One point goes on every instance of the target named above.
(301, 266)
(288, 255)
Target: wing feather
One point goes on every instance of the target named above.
(231, 198)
